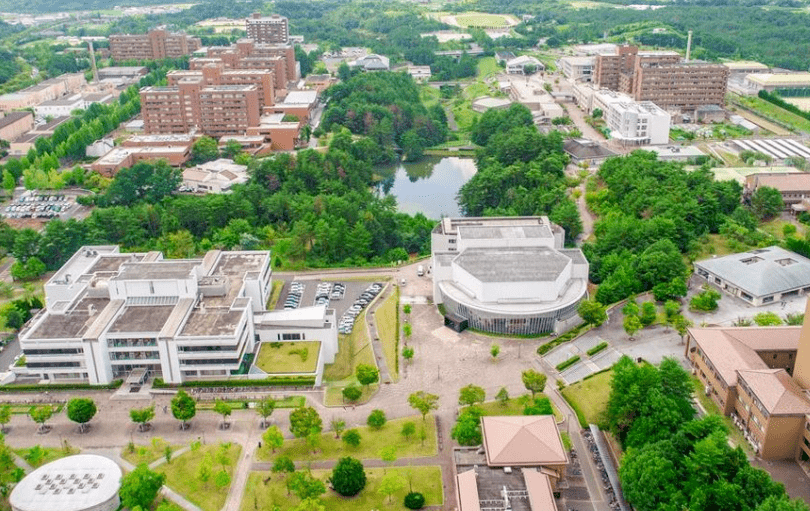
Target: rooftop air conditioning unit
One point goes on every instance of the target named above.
(708, 390)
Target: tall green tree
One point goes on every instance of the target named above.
(184, 408)
(80, 410)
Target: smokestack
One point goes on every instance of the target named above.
(93, 61)
(688, 46)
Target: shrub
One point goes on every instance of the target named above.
(376, 419)
(348, 477)
(352, 393)
(705, 301)
(568, 363)
(767, 319)
(414, 500)
(596, 349)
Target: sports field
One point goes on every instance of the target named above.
(480, 20)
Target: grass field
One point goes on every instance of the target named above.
(147, 453)
(771, 111)
(334, 395)
(371, 442)
(288, 357)
(353, 349)
(263, 496)
(589, 397)
(46, 454)
(488, 66)
(182, 475)
(385, 317)
(480, 19)
(515, 406)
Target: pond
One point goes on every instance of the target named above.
(428, 186)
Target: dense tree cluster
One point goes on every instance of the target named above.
(520, 171)
(650, 213)
(673, 460)
(386, 108)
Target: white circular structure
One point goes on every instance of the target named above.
(85, 482)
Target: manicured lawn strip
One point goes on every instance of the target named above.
(568, 363)
(515, 406)
(19, 409)
(275, 294)
(287, 402)
(596, 349)
(287, 357)
(475, 19)
(182, 476)
(50, 454)
(147, 453)
(589, 397)
(371, 443)
(385, 316)
(354, 349)
(168, 505)
(265, 497)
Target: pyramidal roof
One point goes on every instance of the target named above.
(522, 440)
(777, 392)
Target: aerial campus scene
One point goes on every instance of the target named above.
(386, 255)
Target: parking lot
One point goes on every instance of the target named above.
(41, 205)
(309, 291)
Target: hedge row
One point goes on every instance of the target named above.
(781, 103)
(293, 381)
(568, 363)
(571, 334)
(596, 349)
(60, 386)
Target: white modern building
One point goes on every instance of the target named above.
(109, 313)
(639, 123)
(216, 176)
(577, 69)
(372, 62)
(518, 65)
(84, 482)
(507, 275)
(632, 122)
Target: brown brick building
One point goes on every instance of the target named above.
(268, 30)
(661, 77)
(759, 377)
(215, 74)
(157, 44)
(191, 105)
(246, 54)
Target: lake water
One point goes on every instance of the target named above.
(428, 186)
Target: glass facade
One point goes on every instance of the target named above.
(513, 324)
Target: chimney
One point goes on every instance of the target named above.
(91, 310)
(689, 46)
(801, 370)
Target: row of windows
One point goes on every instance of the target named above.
(56, 351)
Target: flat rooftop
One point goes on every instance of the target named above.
(167, 269)
(211, 322)
(777, 79)
(73, 323)
(142, 319)
(504, 232)
(517, 264)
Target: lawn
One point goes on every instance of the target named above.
(182, 474)
(266, 496)
(386, 318)
(45, 454)
(147, 453)
(371, 442)
(288, 357)
(353, 349)
(488, 66)
(515, 406)
(589, 397)
(286, 402)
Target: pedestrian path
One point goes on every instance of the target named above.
(374, 335)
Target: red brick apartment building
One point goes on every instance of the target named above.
(157, 44)
(269, 29)
(662, 77)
